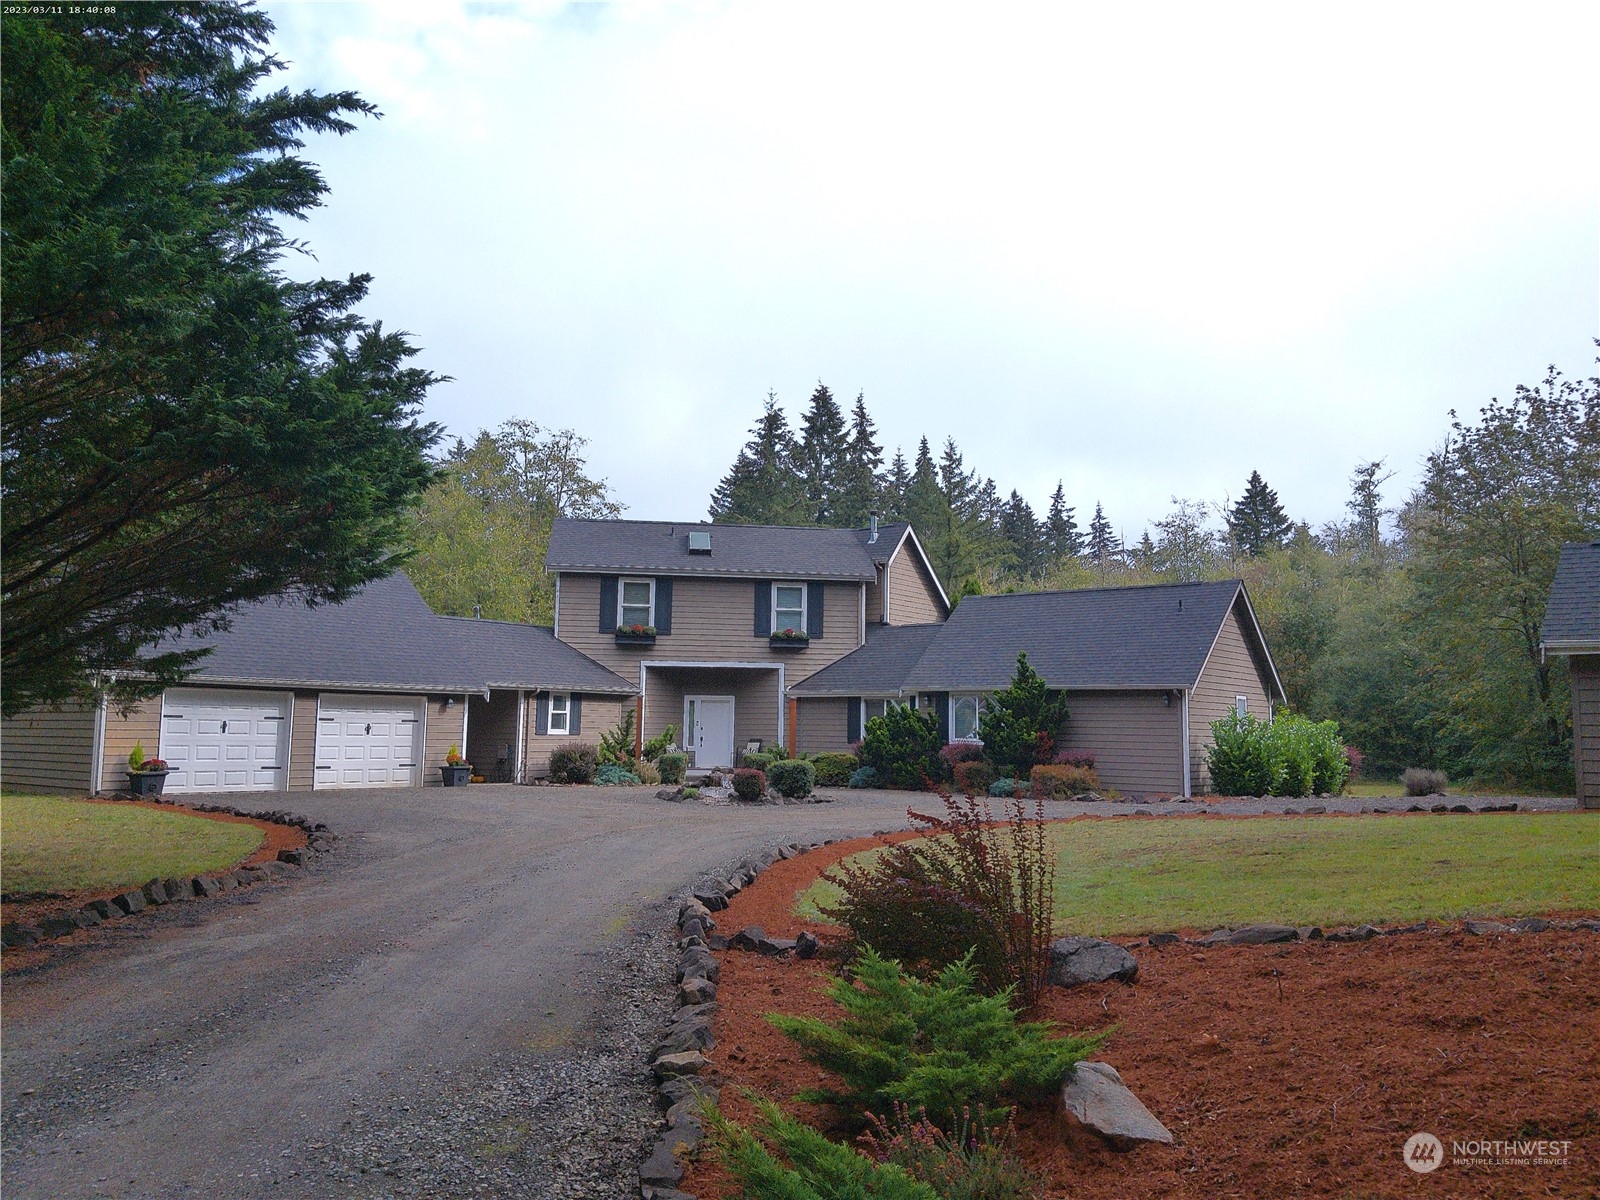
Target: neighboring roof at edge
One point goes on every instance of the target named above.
(1572, 616)
(1113, 638)
(507, 654)
(876, 668)
(384, 637)
(740, 551)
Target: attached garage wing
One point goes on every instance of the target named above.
(368, 741)
(219, 740)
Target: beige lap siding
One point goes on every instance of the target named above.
(1232, 671)
(913, 596)
(1136, 739)
(303, 743)
(49, 750)
(713, 620)
(822, 725)
(491, 728)
(754, 692)
(596, 714)
(1586, 727)
(444, 729)
(142, 724)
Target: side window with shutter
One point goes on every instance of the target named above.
(663, 605)
(814, 598)
(541, 714)
(576, 718)
(608, 604)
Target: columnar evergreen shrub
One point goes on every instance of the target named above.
(903, 747)
(616, 744)
(794, 778)
(574, 763)
(749, 784)
(834, 769)
(673, 765)
(1020, 722)
(941, 1047)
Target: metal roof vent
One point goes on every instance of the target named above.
(699, 541)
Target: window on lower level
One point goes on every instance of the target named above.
(560, 714)
(965, 712)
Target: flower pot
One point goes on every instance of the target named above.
(783, 643)
(146, 783)
(452, 776)
(636, 639)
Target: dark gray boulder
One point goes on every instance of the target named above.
(1079, 960)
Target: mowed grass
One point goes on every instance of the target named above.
(50, 844)
(1146, 876)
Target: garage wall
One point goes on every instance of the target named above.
(1137, 740)
(48, 750)
(142, 723)
(444, 728)
(1586, 727)
(1233, 670)
(303, 743)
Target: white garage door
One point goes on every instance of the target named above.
(368, 741)
(224, 741)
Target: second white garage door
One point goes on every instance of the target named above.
(368, 741)
(215, 740)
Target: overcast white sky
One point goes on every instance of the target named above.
(1142, 248)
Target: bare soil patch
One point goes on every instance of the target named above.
(1288, 1070)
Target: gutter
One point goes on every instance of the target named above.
(1188, 783)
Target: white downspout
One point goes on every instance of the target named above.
(863, 640)
(555, 620)
(782, 706)
(466, 711)
(1188, 783)
(522, 729)
(97, 765)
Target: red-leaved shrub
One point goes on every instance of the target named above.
(1059, 782)
(749, 784)
(1074, 758)
(974, 778)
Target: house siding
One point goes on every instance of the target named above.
(48, 750)
(443, 728)
(303, 743)
(1586, 727)
(913, 595)
(821, 725)
(1231, 671)
(141, 724)
(875, 612)
(713, 620)
(491, 729)
(1137, 740)
(596, 715)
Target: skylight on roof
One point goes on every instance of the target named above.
(700, 541)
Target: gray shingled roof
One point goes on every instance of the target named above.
(737, 551)
(1109, 638)
(510, 655)
(878, 668)
(1572, 616)
(385, 637)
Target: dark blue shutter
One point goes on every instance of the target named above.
(941, 709)
(608, 604)
(814, 594)
(763, 610)
(663, 605)
(541, 714)
(852, 720)
(575, 714)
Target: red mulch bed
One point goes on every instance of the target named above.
(277, 837)
(1289, 1070)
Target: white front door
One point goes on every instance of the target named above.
(215, 740)
(368, 741)
(708, 725)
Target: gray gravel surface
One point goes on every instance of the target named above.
(457, 1002)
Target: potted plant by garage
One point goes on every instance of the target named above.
(146, 776)
(457, 771)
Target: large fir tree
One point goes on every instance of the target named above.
(1257, 522)
(896, 486)
(1103, 545)
(820, 462)
(1062, 538)
(1023, 537)
(861, 482)
(762, 488)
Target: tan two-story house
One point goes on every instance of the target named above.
(716, 623)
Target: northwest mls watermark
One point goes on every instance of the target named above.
(1424, 1153)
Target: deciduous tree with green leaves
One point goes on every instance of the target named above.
(187, 427)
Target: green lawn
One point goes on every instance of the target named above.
(1126, 877)
(49, 844)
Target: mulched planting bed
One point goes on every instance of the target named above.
(1281, 1070)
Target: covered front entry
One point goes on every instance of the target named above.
(708, 730)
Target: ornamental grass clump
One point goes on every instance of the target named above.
(939, 1047)
(988, 883)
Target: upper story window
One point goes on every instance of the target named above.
(1241, 705)
(560, 714)
(788, 607)
(965, 712)
(636, 602)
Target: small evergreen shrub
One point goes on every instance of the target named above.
(793, 777)
(659, 745)
(1292, 756)
(903, 747)
(749, 784)
(574, 763)
(689, 792)
(973, 778)
(1053, 782)
(615, 775)
(1421, 781)
(756, 760)
(1003, 788)
(834, 769)
(1020, 722)
(865, 777)
(939, 1047)
(673, 765)
(616, 745)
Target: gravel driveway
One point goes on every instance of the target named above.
(455, 1003)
